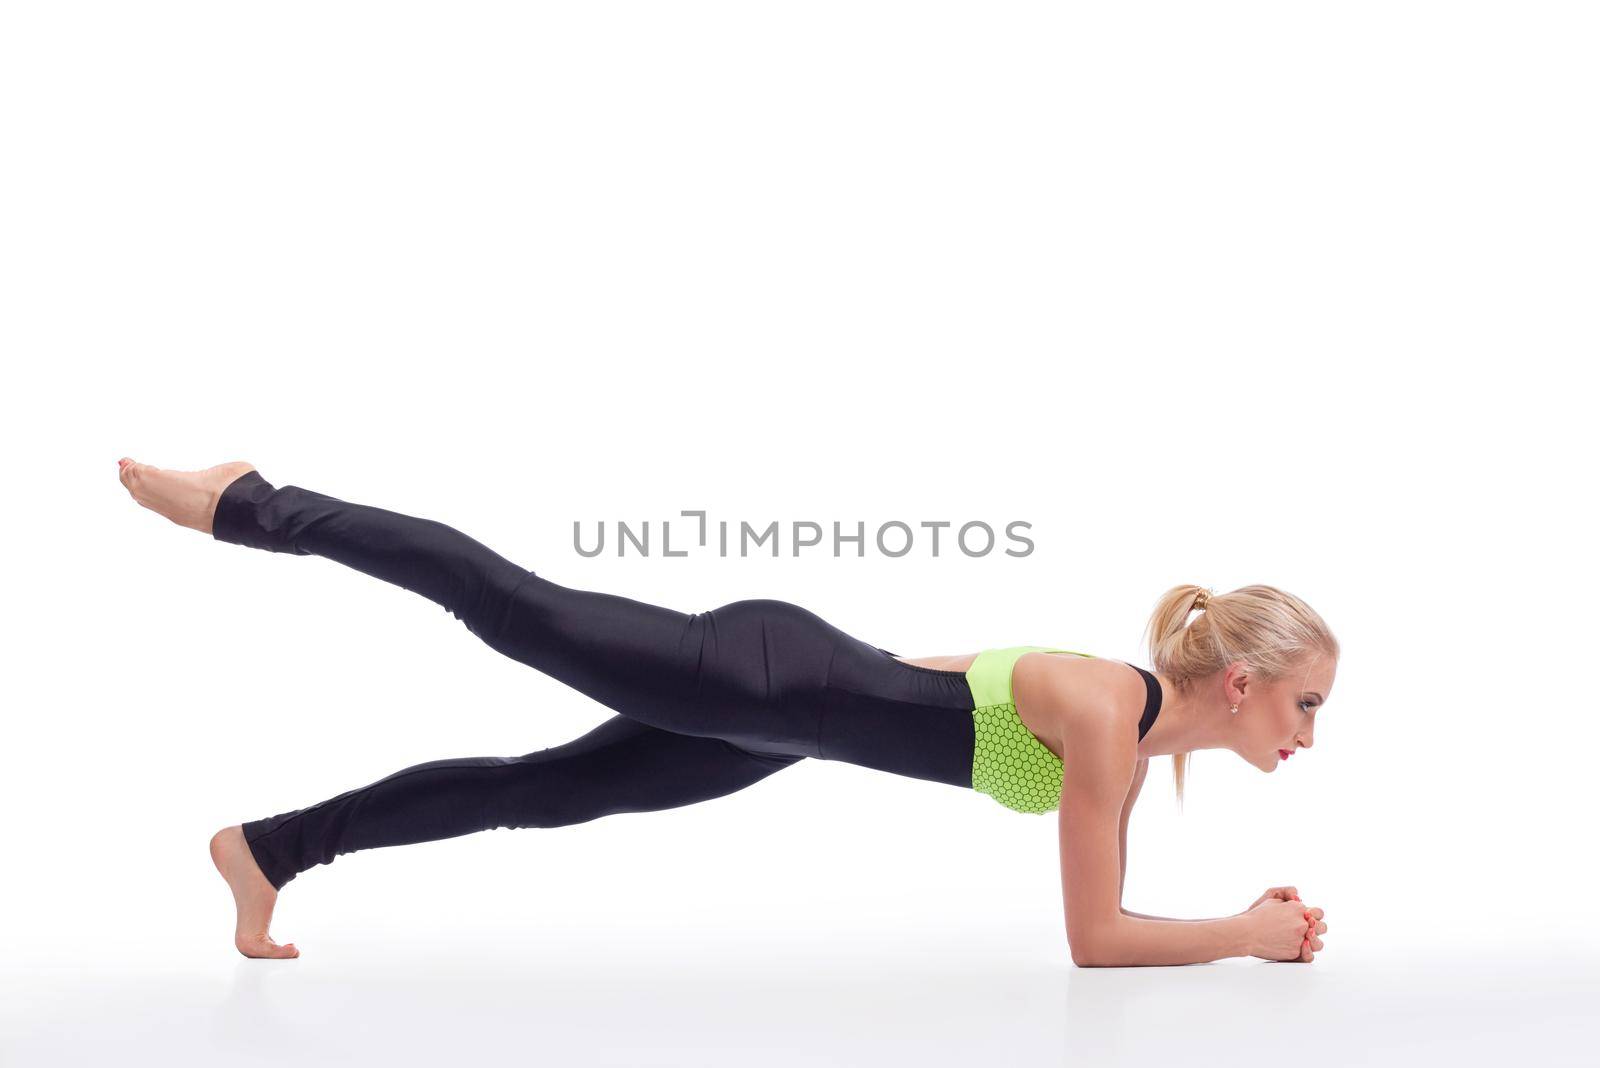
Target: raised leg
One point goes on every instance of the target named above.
(752, 672)
(620, 766)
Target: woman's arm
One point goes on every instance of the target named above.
(1098, 769)
(1141, 941)
(1173, 919)
(1139, 772)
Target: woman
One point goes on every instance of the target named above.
(711, 702)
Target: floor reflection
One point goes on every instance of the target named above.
(582, 1003)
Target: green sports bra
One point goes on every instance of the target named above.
(1008, 762)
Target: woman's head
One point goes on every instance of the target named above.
(1259, 649)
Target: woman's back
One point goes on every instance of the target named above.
(1046, 686)
(1022, 698)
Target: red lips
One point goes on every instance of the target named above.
(1286, 753)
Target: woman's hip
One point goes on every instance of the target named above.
(880, 713)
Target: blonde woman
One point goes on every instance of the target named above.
(712, 702)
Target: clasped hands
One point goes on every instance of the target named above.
(1278, 926)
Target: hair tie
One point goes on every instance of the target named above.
(1200, 600)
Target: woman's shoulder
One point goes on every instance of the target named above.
(1079, 698)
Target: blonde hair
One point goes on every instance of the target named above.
(1271, 630)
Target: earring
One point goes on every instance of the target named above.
(1234, 709)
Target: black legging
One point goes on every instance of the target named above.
(710, 702)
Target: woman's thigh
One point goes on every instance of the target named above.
(622, 765)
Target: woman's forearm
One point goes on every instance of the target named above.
(1172, 919)
(1134, 940)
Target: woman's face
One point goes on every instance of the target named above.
(1279, 717)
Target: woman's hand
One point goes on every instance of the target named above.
(1284, 929)
(1310, 944)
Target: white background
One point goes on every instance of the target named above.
(1219, 293)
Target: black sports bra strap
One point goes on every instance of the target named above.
(1152, 700)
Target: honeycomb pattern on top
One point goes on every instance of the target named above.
(1010, 764)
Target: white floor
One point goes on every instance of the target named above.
(665, 998)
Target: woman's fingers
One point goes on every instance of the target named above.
(1310, 943)
(1277, 893)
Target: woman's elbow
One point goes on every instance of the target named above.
(1098, 959)
(1094, 948)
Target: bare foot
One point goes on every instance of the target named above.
(253, 896)
(188, 498)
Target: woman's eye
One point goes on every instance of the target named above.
(1304, 706)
